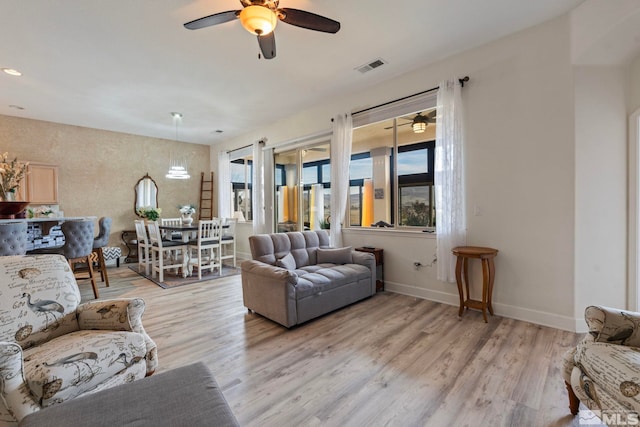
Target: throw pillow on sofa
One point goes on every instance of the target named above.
(287, 261)
(334, 256)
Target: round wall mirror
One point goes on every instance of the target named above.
(146, 193)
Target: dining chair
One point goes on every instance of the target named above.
(142, 239)
(228, 240)
(171, 235)
(100, 242)
(204, 252)
(78, 246)
(13, 238)
(164, 250)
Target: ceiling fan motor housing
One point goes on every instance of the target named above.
(271, 4)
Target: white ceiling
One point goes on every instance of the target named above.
(125, 65)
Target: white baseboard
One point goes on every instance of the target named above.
(519, 313)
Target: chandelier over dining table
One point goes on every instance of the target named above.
(177, 165)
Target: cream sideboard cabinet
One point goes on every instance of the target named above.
(42, 184)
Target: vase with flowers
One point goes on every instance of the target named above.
(149, 213)
(186, 211)
(11, 175)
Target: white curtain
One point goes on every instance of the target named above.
(340, 157)
(224, 185)
(268, 189)
(449, 179)
(257, 192)
(316, 216)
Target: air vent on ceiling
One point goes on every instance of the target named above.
(371, 65)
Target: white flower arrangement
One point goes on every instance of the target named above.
(40, 212)
(187, 209)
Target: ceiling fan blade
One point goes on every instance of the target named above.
(215, 19)
(268, 45)
(401, 124)
(308, 20)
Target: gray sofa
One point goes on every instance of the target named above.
(295, 277)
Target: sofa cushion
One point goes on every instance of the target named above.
(329, 277)
(287, 262)
(75, 363)
(614, 368)
(300, 249)
(334, 256)
(262, 248)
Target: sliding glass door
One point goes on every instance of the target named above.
(303, 188)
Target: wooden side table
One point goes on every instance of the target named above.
(486, 255)
(378, 254)
(128, 237)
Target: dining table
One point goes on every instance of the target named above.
(189, 232)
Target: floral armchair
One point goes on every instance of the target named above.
(603, 370)
(52, 348)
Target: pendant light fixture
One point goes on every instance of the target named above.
(177, 169)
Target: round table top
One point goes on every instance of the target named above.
(474, 251)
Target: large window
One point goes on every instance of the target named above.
(303, 190)
(241, 176)
(391, 172)
(415, 185)
(316, 198)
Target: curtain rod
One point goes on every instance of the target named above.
(262, 141)
(462, 82)
(239, 148)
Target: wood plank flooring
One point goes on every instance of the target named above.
(391, 360)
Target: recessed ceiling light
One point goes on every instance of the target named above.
(12, 72)
(17, 107)
(176, 115)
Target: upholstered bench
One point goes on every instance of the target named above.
(111, 253)
(186, 396)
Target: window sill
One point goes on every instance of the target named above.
(419, 234)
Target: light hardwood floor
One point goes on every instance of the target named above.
(390, 360)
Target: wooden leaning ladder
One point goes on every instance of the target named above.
(206, 197)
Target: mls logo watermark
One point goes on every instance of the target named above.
(604, 418)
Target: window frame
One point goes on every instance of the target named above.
(247, 186)
(408, 180)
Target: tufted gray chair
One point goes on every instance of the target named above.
(100, 242)
(78, 246)
(13, 238)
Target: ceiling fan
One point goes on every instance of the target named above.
(420, 122)
(260, 17)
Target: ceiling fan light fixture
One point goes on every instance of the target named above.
(419, 124)
(258, 20)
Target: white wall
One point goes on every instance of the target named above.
(633, 98)
(519, 171)
(601, 187)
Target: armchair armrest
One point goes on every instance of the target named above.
(270, 291)
(612, 325)
(368, 260)
(13, 388)
(269, 272)
(364, 258)
(123, 314)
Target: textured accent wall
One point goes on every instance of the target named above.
(98, 169)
